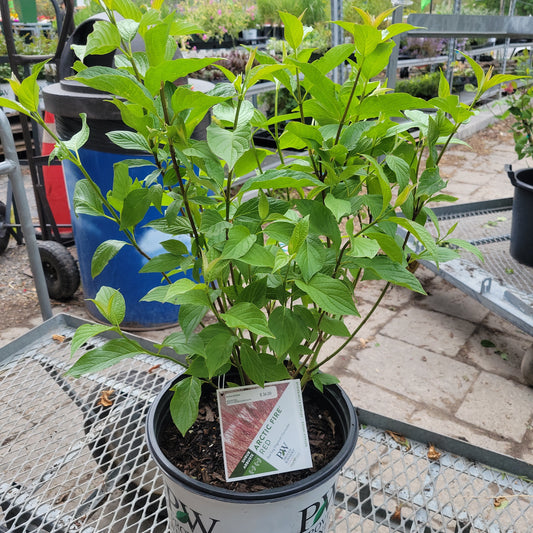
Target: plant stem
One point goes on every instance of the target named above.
(357, 329)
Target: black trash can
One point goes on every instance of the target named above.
(522, 222)
(66, 100)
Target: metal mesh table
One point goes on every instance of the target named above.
(70, 464)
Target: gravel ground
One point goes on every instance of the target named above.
(18, 298)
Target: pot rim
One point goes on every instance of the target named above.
(333, 394)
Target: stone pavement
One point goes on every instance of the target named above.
(421, 359)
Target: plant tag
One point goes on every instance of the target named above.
(263, 430)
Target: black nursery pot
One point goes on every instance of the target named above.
(522, 223)
(302, 507)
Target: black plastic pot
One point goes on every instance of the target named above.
(302, 507)
(522, 223)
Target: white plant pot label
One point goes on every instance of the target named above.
(263, 430)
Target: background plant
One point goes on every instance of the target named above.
(520, 106)
(42, 44)
(312, 11)
(276, 273)
(424, 86)
(220, 19)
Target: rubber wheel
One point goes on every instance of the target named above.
(60, 270)
(4, 230)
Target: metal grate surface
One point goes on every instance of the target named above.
(489, 228)
(70, 465)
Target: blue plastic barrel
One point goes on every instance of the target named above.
(66, 100)
(122, 272)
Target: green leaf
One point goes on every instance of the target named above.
(320, 380)
(161, 263)
(173, 70)
(444, 86)
(263, 207)
(181, 291)
(135, 207)
(309, 134)
(252, 364)
(274, 370)
(321, 219)
(286, 328)
(330, 294)
(339, 208)
(183, 344)
(218, 352)
(381, 267)
(281, 260)
(129, 140)
(281, 179)
(177, 226)
(400, 168)
(11, 104)
(111, 304)
(246, 315)
(86, 332)
(239, 242)
(364, 247)
(227, 112)
(229, 145)
(184, 403)
(299, 234)
(104, 38)
(104, 356)
(391, 104)
(87, 200)
(79, 138)
(190, 316)
(421, 233)
(175, 246)
(27, 91)
(117, 82)
(255, 293)
(311, 257)
(294, 30)
(466, 246)
(487, 344)
(334, 327)
(258, 256)
(159, 45)
(103, 254)
(478, 70)
(127, 9)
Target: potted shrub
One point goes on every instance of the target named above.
(277, 263)
(520, 106)
(250, 30)
(221, 21)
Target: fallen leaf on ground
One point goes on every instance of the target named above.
(433, 454)
(397, 515)
(501, 502)
(105, 400)
(400, 439)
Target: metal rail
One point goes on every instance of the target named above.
(11, 167)
(499, 282)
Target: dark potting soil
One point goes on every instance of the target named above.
(199, 453)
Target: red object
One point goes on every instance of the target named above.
(54, 181)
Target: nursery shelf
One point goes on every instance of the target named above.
(68, 464)
(499, 282)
